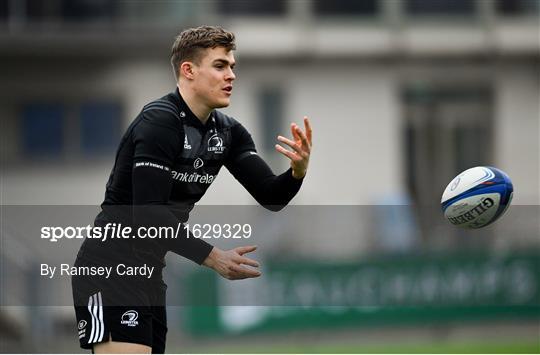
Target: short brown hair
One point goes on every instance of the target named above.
(189, 44)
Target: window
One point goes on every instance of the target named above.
(88, 9)
(47, 10)
(447, 129)
(249, 7)
(345, 7)
(66, 130)
(270, 115)
(43, 130)
(4, 9)
(518, 7)
(38, 10)
(100, 127)
(440, 7)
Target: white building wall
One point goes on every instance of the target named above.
(356, 157)
(355, 118)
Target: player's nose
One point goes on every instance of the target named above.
(230, 76)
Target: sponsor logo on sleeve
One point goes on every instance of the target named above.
(151, 165)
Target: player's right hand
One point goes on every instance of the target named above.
(230, 263)
(301, 148)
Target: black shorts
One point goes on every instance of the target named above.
(120, 309)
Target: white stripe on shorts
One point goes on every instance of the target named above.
(95, 308)
(90, 306)
(100, 317)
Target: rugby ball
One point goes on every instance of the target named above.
(477, 197)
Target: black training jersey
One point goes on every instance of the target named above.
(168, 158)
(167, 135)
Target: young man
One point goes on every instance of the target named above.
(166, 161)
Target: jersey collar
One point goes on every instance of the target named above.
(187, 115)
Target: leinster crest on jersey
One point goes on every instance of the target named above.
(215, 144)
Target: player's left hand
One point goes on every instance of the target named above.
(301, 148)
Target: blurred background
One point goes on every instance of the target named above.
(402, 94)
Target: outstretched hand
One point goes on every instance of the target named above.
(301, 148)
(229, 263)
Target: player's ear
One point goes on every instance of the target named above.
(186, 70)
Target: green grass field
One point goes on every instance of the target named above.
(489, 346)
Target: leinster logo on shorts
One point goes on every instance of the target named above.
(130, 318)
(215, 144)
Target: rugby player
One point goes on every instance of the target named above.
(165, 162)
